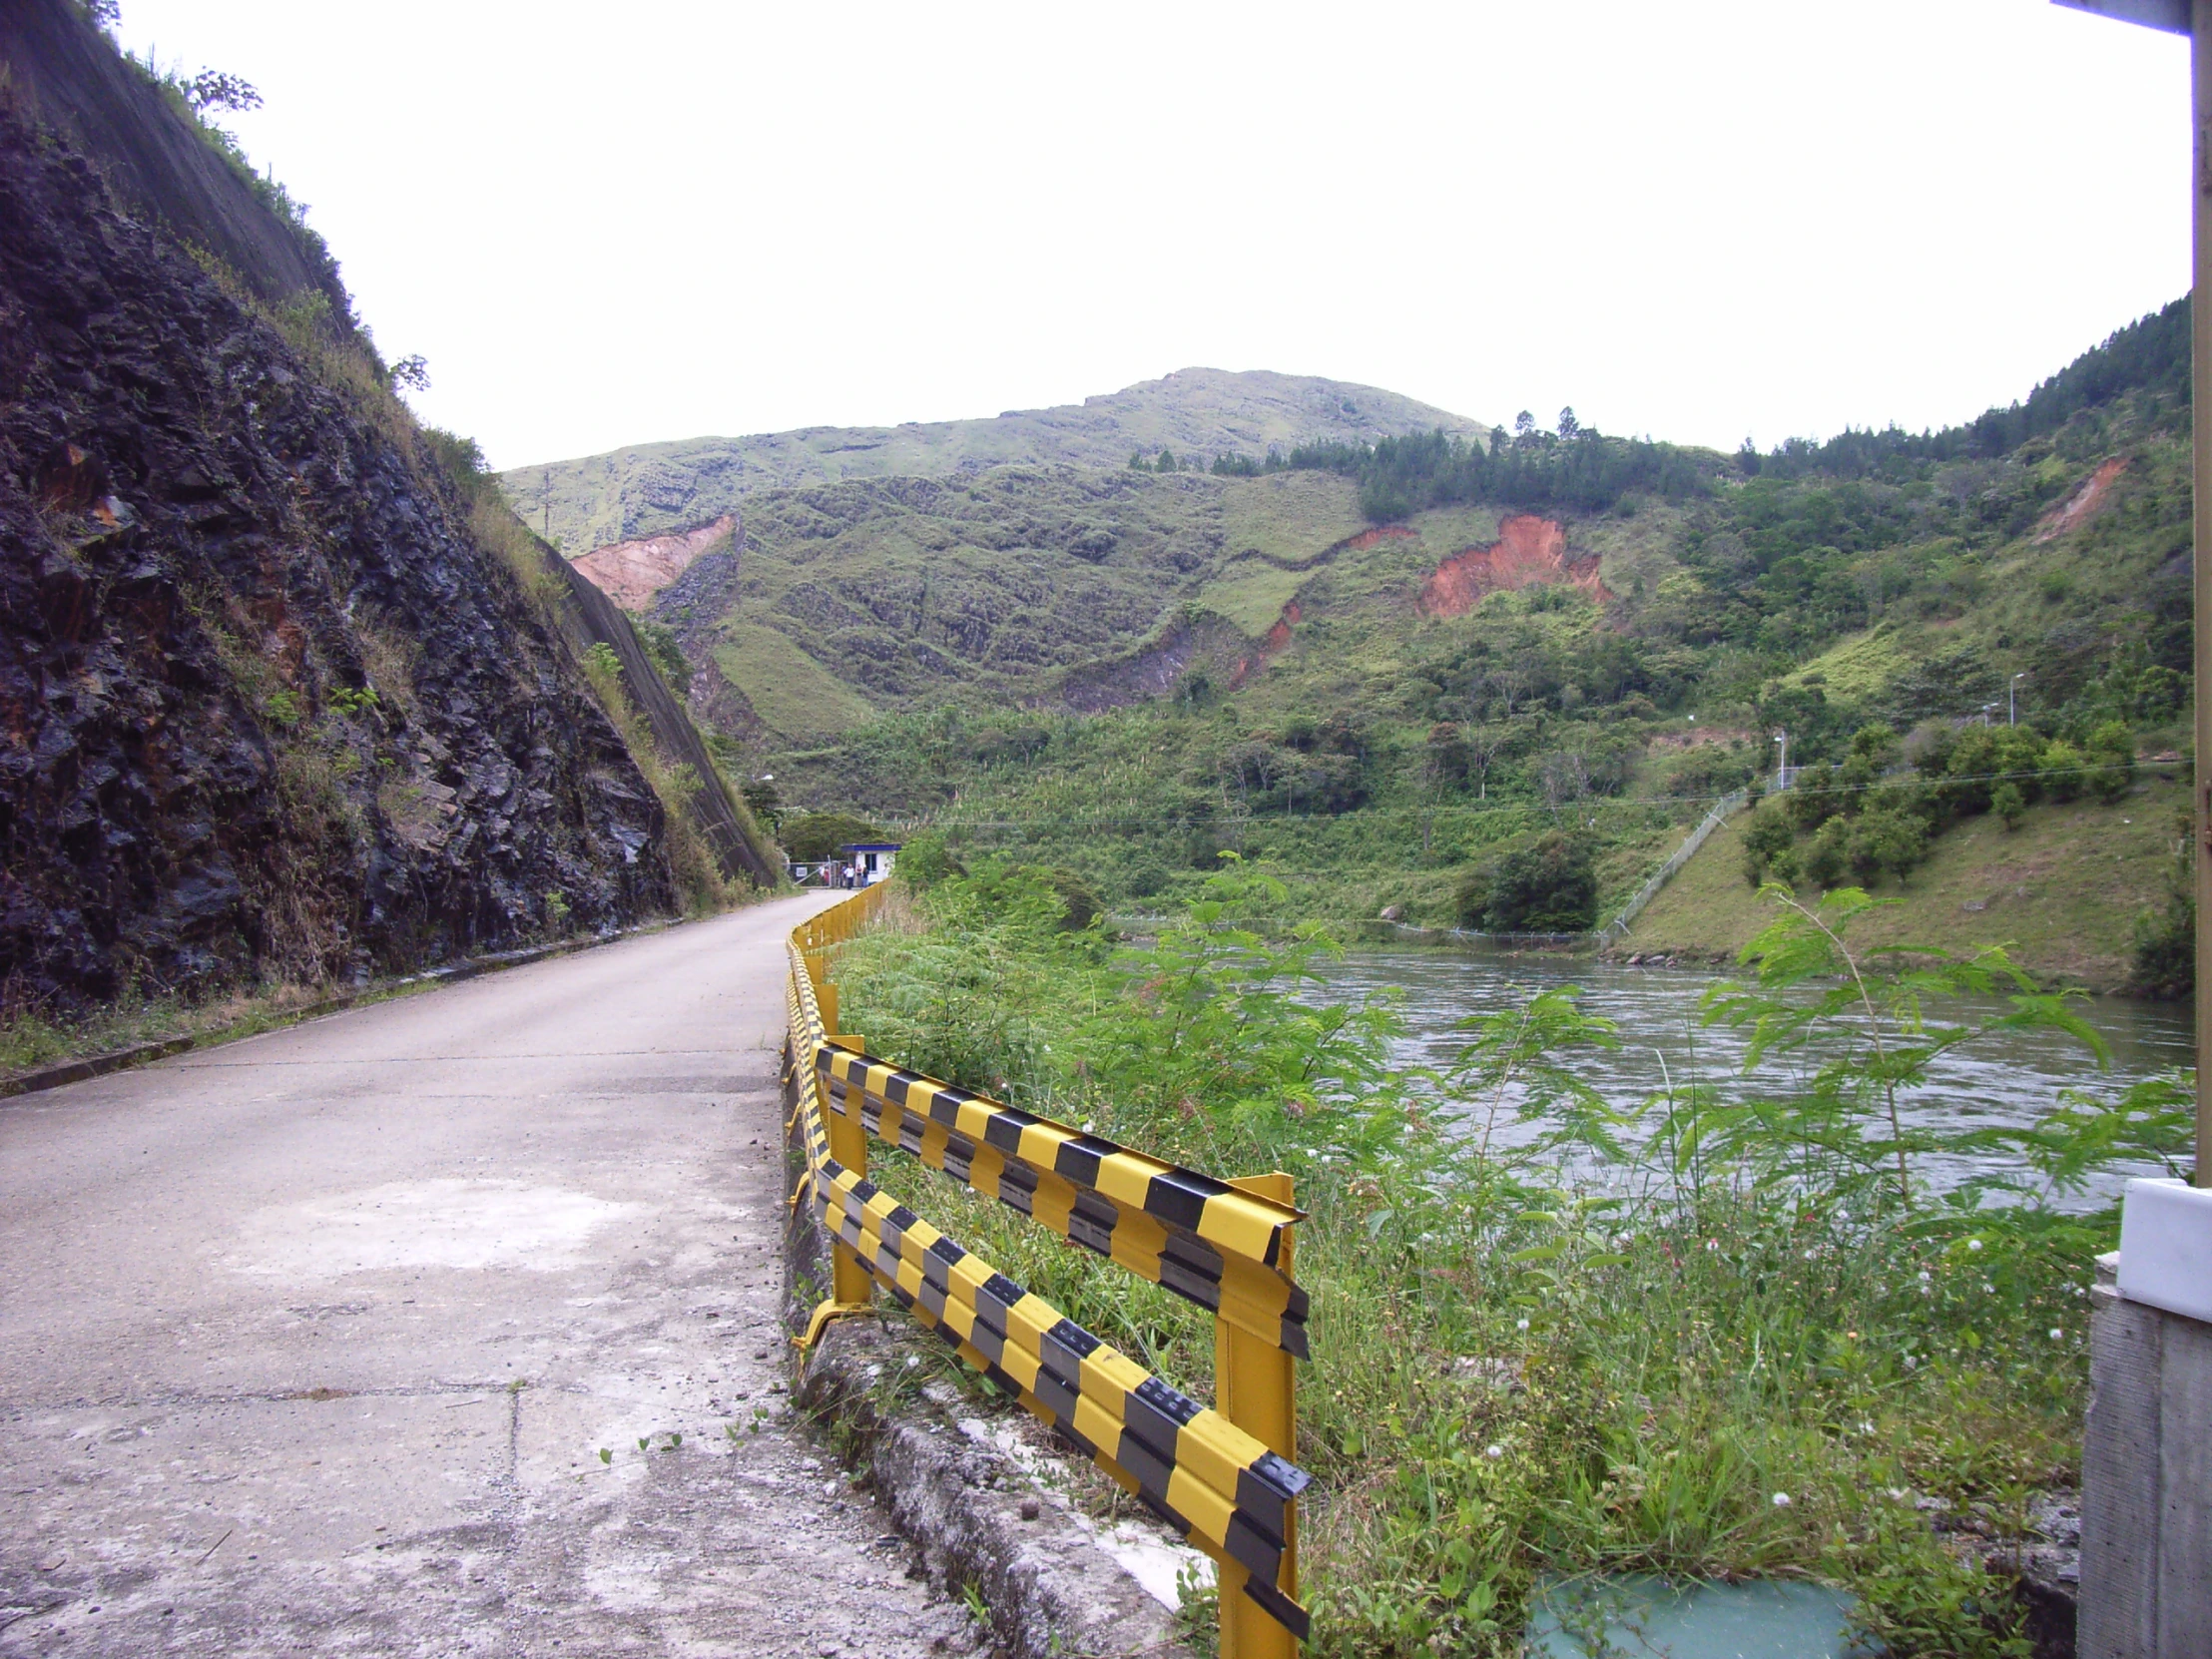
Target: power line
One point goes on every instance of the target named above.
(1591, 803)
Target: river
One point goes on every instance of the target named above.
(2008, 1079)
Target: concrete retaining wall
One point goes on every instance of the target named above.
(2146, 1508)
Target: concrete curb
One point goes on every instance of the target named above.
(974, 1514)
(469, 967)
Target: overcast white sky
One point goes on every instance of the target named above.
(612, 224)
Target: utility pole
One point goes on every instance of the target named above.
(1782, 766)
(2200, 395)
(2194, 19)
(2146, 1509)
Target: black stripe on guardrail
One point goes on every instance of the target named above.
(1212, 1481)
(1208, 1243)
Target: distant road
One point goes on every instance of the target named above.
(311, 1343)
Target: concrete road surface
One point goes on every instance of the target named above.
(345, 1339)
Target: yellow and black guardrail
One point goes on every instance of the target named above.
(1223, 1477)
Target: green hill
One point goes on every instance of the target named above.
(1195, 412)
(1395, 667)
(2060, 891)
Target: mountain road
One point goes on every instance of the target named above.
(446, 1325)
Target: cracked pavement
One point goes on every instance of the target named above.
(345, 1339)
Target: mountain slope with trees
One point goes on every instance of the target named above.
(1401, 669)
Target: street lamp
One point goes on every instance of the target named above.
(1782, 766)
(2013, 699)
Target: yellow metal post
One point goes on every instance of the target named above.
(850, 1287)
(851, 1291)
(1256, 1388)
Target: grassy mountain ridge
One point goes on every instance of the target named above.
(596, 500)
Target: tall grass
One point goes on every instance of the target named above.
(1690, 1335)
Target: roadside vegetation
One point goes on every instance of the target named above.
(1557, 1334)
(31, 1040)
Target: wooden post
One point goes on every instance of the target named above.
(1256, 1388)
(2200, 387)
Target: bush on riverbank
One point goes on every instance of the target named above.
(1555, 1333)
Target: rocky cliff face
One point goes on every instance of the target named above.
(269, 702)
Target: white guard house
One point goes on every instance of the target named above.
(869, 861)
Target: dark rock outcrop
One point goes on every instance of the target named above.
(267, 702)
(65, 75)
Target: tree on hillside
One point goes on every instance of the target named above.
(1568, 425)
(1524, 424)
(214, 89)
(1484, 744)
(764, 801)
(816, 835)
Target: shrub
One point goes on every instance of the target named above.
(925, 861)
(1548, 885)
(1068, 902)
(664, 654)
(1767, 837)
(1966, 781)
(2061, 767)
(1813, 801)
(2020, 759)
(2111, 758)
(1886, 842)
(2166, 938)
(2009, 803)
(1148, 877)
(2167, 950)
(1825, 856)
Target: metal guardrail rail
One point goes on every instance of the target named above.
(1223, 1477)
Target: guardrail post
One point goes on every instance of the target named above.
(851, 1287)
(1256, 1388)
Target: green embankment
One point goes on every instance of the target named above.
(789, 689)
(2060, 893)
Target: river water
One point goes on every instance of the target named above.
(2009, 1079)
